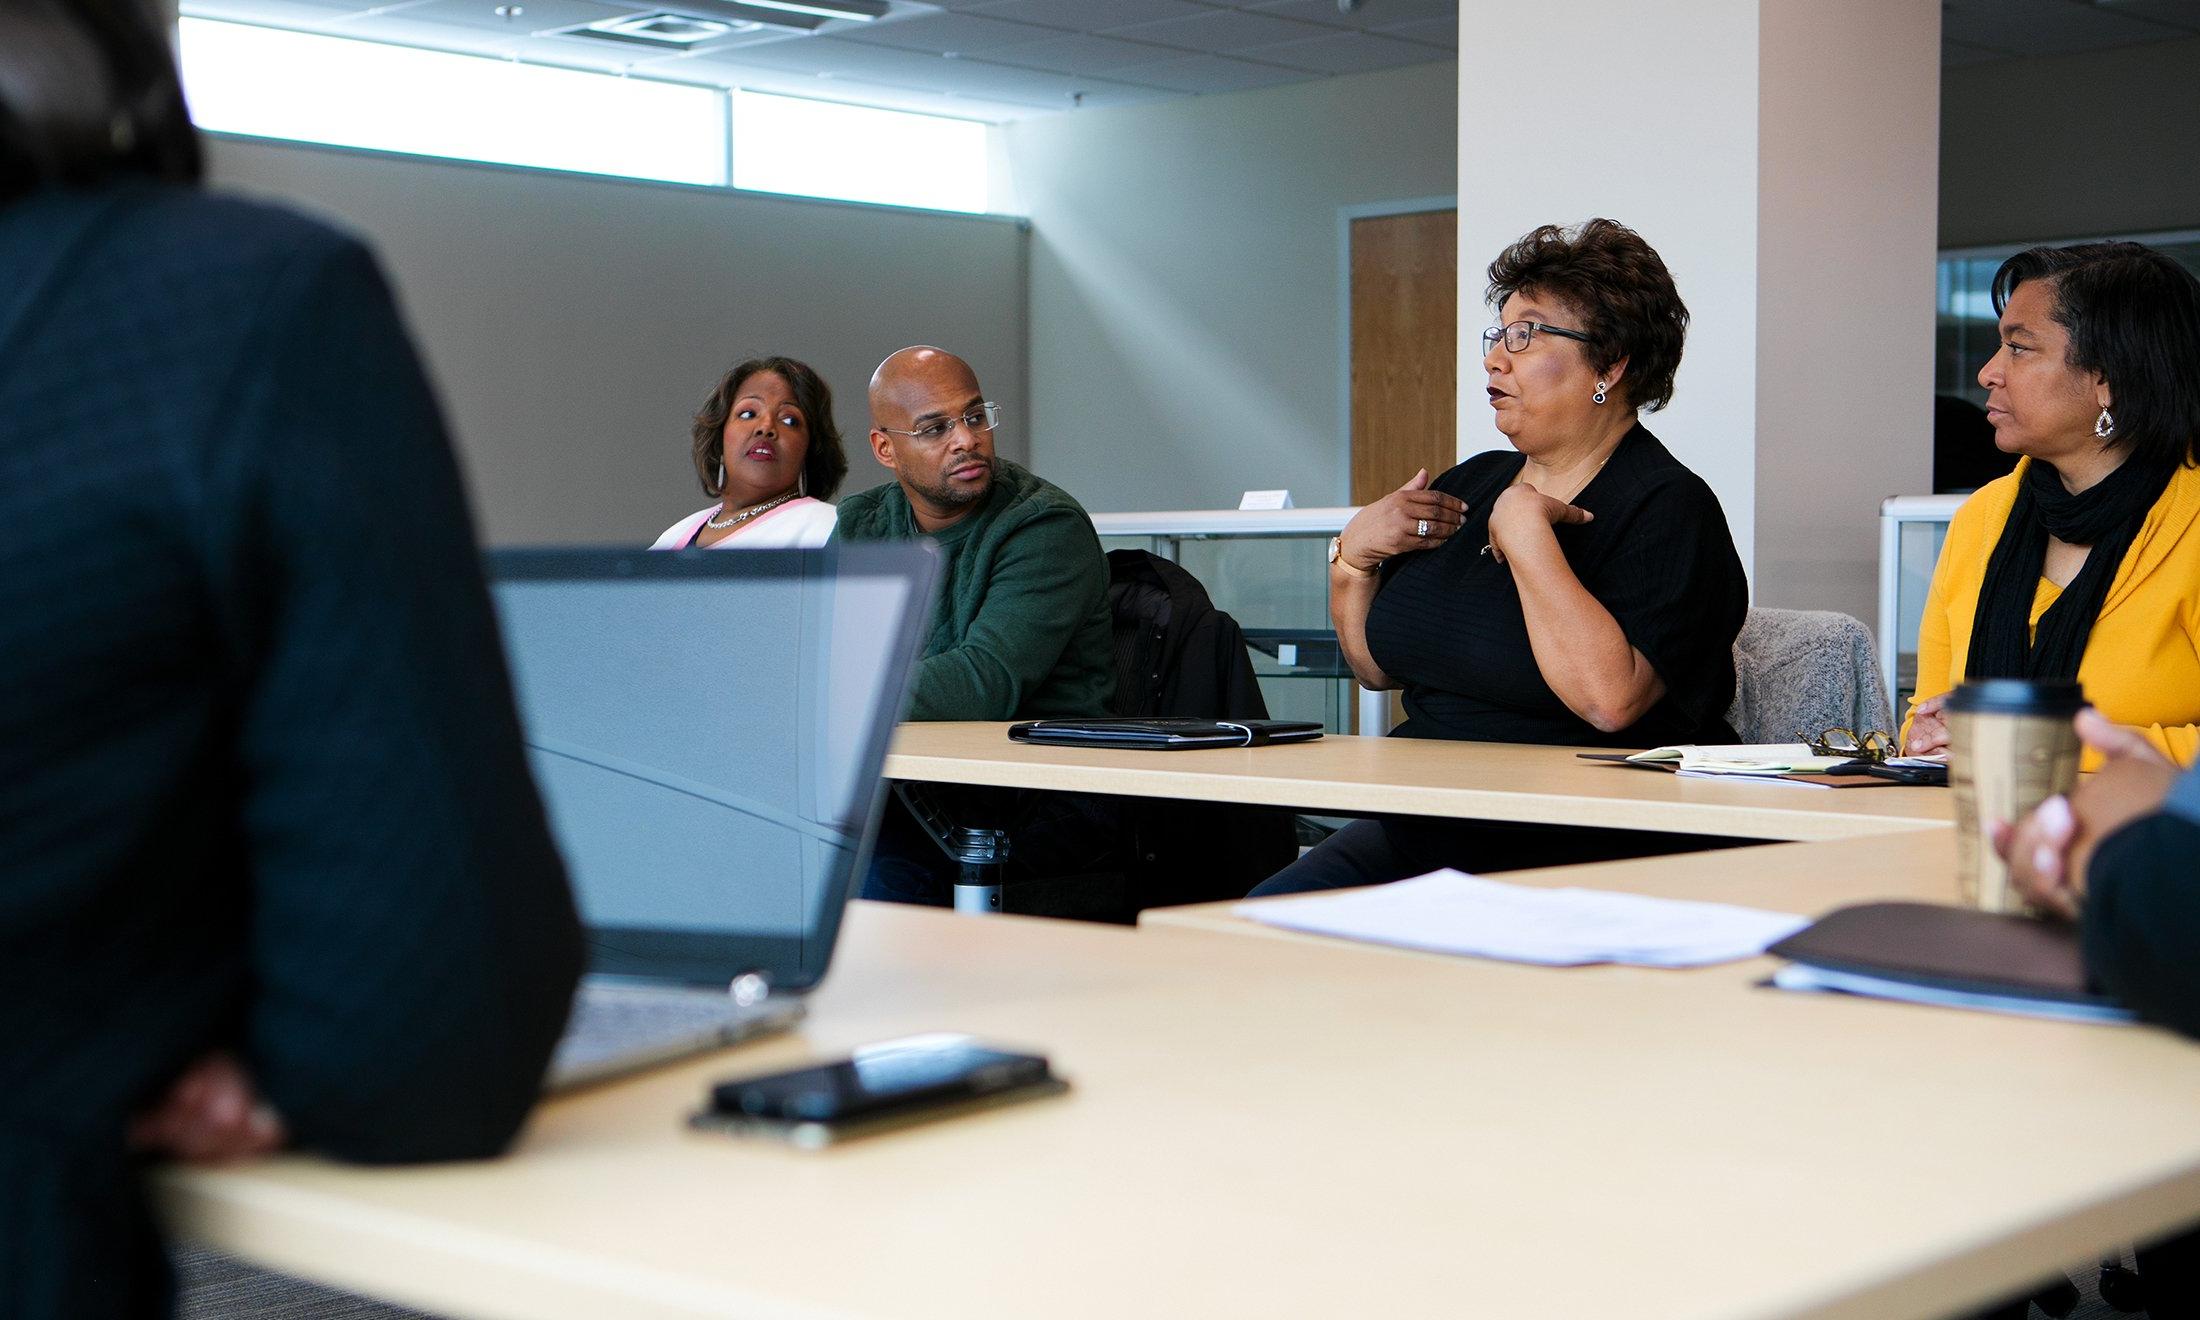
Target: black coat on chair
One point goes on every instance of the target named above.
(1176, 654)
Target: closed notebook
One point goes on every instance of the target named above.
(1163, 734)
(1958, 950)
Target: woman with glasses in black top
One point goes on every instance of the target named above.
(1580, 589)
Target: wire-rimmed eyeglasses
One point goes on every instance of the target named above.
(984, 417)
(1874, 747)
(1520, 334)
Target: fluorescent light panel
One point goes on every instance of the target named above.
(859, 11)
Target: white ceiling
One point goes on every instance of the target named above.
(981, 59)
(1008, 59)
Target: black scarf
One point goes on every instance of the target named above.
(2106, 517)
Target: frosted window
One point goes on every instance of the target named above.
(855, 153)
(270, 83)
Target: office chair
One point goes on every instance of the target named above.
(1175, 654)
(1805, 671)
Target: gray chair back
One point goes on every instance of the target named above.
(1805, 671)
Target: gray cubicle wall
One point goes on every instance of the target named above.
(574, 323)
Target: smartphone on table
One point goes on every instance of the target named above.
(888, 1085)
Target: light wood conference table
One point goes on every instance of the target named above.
(1348, 775)
(1269, 1128)
(1808, 879)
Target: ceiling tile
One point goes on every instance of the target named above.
(1223, 29)
(1080, 54)
(1344, 52)
(835, 57)
(1954, 55)
(969, 34)
(1207, 73)
(2182, 14)
(273, 13)
(1370, 15)
(1051, 90)
(535, 15)
(1101, 95)
(1089, 15)
(747, 69)
(2041, 27)
(398, 27)
(1432, 31)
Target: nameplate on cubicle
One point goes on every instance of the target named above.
(1265, 499)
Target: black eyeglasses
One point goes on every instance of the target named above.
(1874, 747)
(1520, 334)
(984, 417)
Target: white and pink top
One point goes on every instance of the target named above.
(800, 524)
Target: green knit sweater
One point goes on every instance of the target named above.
(1021, 630)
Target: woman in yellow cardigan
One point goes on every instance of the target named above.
(2085, 561)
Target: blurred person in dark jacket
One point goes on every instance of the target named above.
(2120, 855)
(275, 871)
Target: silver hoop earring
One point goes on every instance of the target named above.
(2104, 426)
(802, 484)
(721, 478)
(1598, 397)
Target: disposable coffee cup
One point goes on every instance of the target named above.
(2011, 746)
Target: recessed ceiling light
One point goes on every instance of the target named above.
(662, 29)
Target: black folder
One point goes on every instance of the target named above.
(1949, 948)
(1168, 734)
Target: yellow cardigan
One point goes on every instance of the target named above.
(2142, 661)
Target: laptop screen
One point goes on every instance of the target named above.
(707, 730)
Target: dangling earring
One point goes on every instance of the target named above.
(721, 476)
(2104, 426)
(1598, 397)
(802, 483)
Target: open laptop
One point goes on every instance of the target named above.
(707, 729)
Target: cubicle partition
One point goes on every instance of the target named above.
(1269, 570)
(1911, 529)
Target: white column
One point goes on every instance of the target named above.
(1782, 156)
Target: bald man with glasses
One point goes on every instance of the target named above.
(1021, 630)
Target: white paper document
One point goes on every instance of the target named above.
(1452, 912)
(1741, 759)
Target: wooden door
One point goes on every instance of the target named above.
(1405, 346)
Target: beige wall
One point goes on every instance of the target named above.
(1780, 157)
(1653, 124)
(573, 323)
(2072, 146)
(1185, 297)
(1846, 237)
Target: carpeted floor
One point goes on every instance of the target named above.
(211, 1286)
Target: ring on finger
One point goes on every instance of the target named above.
(1420, 529)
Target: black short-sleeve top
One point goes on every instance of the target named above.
(1447, 622)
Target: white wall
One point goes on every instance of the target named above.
(574, 324)
(2071, 146)
(1779, 157)
(1654, 124)
(1185, 296)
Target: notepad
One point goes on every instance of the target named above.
(1740, 759)
(1452, 912)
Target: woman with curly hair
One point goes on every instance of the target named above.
(1581, 588)
(766, 448)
